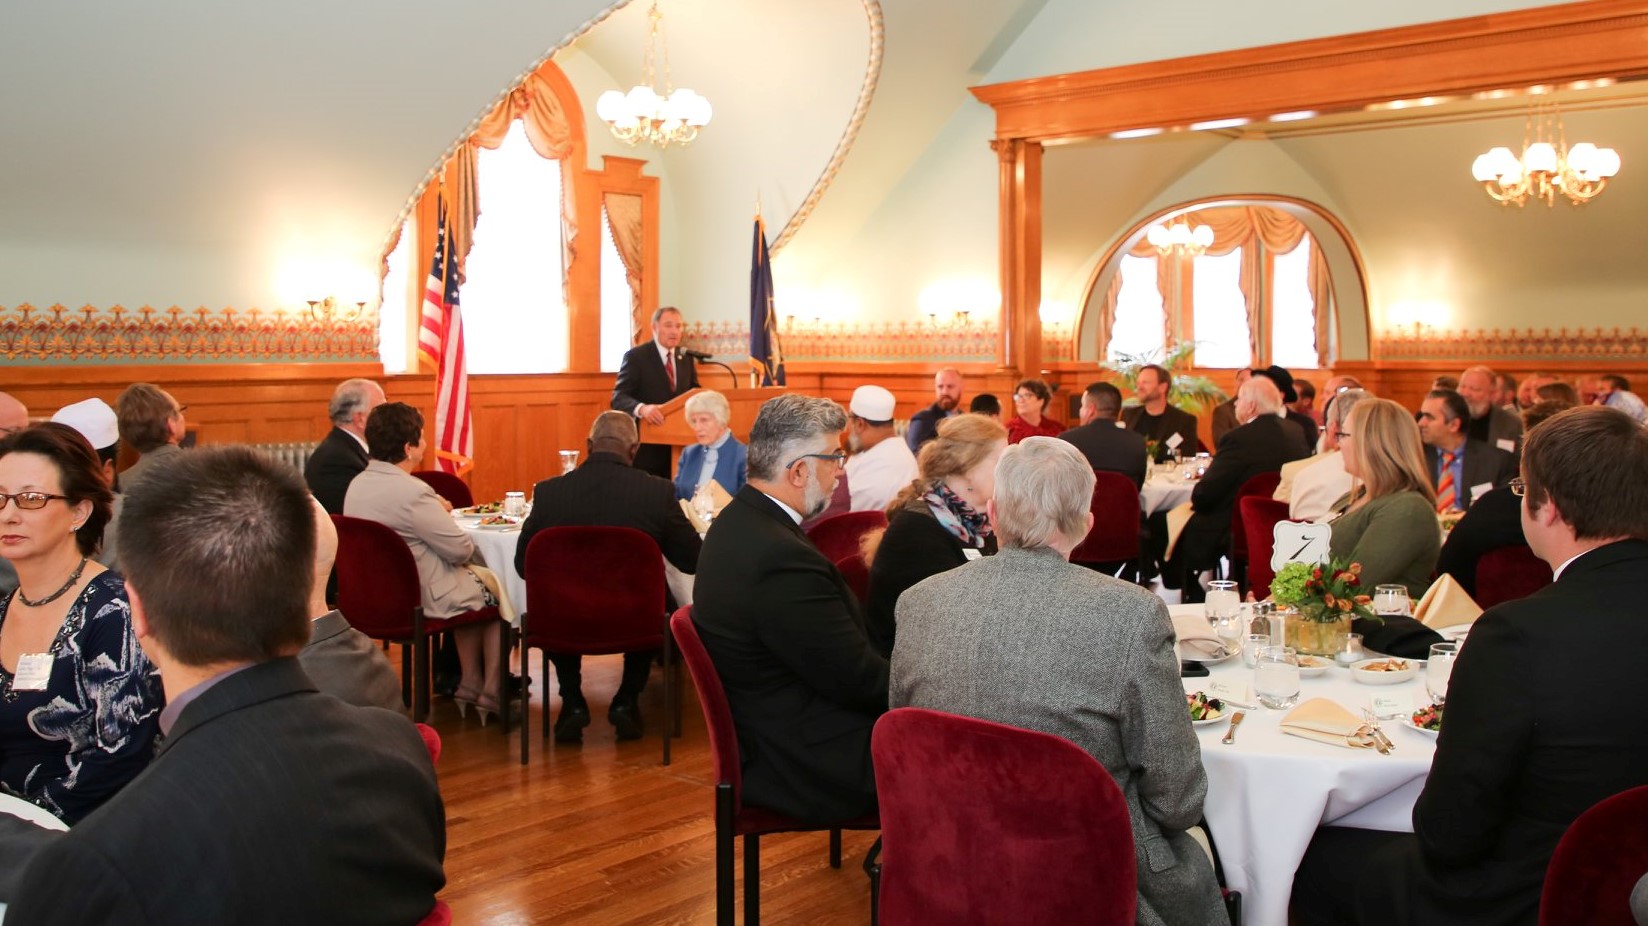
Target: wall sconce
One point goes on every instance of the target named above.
(331, 310)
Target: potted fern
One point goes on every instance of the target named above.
(1194, 394)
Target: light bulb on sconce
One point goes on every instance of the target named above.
(331, 310)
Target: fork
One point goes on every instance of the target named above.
(1235, 721)
(1383, 741)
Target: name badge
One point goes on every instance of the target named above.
(1509, 446)
(1174, 440)
(972, 553)
(33, 672)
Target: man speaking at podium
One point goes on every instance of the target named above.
(652, 374)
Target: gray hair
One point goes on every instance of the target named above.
(787, 427)
(614, 429)
(1339, 408)
(662, 310)
(1263, 393)
(351, 396)
(709, 402)
(1044, 489)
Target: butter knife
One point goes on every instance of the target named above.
(1235, 721)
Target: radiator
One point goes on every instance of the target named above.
(293, 454)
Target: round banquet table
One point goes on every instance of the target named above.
(497, 548)
(1269, 791)
(1166, 489)
(18, 807)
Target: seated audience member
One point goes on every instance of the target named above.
(1489, 423)
(1224, 414)
(388, 493)
(1461, 468)
(946, 404)
(985, 404)
(1311, 486)
(1025, 638)
(1333, 387)
(1101, 439)
(96, 422)
(1614, 391)
(1557, 391)
(1307, 400)
(1156, 418)
(1528, 742)
(881, 464)
(1284, 383)
(342, 454)
(151, 421)
(938, 521)
(1505, 392)
(13, 417)
(268, 802)
(1527, 392)
(1030, 398)
(1444, 381)
(607, 490)
(1388, 521)
(340, 660)
(1494, 521)
(803, 681)
(79, 703)
(717, 454)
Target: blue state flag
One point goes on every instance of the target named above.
(766, 357)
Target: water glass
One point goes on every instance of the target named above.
(569, 461)
(1352, 653)
(1391, 599)
(515, 504)
(1438, 669)
(1178, 456)
(1223, 600)
(1276, 677)
(1251, 645)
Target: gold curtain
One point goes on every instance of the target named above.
(624, 215)
(1320, 282)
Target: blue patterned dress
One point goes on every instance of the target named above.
(71, 747)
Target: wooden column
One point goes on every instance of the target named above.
(1019, 348)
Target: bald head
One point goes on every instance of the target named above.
(13, 416)
(326, 550)
(1258, 396)
(614, 432)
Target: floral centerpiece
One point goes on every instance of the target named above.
(1323, 600)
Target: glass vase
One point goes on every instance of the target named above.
(1304, 631)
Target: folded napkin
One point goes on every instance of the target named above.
(1177, 517)
(1326, 721)
(719, 494)
(1446, 604)
(1195, 639)
(698, 524)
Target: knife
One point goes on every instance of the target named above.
(1235, 721)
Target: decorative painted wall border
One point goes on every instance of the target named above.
(1618, 344)
(90, 335)
(856, 342)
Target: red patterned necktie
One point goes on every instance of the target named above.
(1444, 484)
(669, 367)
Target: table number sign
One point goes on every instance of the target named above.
(1299, 542)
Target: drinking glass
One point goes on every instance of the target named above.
(704, 504)
(1178, 456)
(1391, 599)
(515, 504)
(569, 461)
(1251, 645)
(1276, 677)
(1439, 668)
(1223, 600)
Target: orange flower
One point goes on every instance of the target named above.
(1328, 599)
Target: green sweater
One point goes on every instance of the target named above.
(1396, 539)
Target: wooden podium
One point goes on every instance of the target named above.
(676, 433)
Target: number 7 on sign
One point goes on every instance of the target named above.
(1300, 542)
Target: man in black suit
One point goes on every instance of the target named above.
(1308, 430)
(1106, 445)
(1538, 726)
(784, 630)
(650, 375)
(1156, 418)
(607, 491)
(342, 454)
(267, 801)
(1462, 468)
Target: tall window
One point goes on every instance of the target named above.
(1139, 328)
(513, 297)
(1220, 312)
(1293, 331)
(392, 340)
(617, 319)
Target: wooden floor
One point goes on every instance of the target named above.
(602, 833)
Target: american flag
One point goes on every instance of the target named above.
(441, 341)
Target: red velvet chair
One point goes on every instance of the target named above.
(837, 537)
(381, 595)
(1597, 863)
(734, 818)
(431, 742)
(986, 823)
(1114, 538)
(596, 591)
(857, 574)
(447, 486)
(440, 916)
(1509, 573)
(1263, 484)
(1260, 515)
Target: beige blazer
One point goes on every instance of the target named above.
(385, 493)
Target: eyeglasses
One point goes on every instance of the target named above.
(838, 458)
(1025, 397)
(28, 501)
(1519, 487)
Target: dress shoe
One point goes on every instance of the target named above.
(625, 717)
(569, 727)
(446, 684)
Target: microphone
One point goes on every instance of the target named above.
(694, 354)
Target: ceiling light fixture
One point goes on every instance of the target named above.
(1180, 238)
(672, 116)
(1547, 165)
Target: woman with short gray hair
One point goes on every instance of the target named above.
(717, 456)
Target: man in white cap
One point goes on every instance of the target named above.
(96, 422)
(881, 464)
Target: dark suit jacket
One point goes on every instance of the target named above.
(1173, 421)
(333, 465)
(642, 380)
(1224, 420)
(267, 803)
(1307, 428)
(789, 643)
(924, 426)
(1260, 446)
(1497, 425)
(1494, 521)
(914, 547)
(1484, 463)
(1534, 735)
(346, 664)
(608, 492)
(1112, 449)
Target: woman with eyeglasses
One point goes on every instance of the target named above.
(79, 702)
(1030, 398)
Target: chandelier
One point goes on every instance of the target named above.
(1180, 238)
(670, 117)
(1547, 165)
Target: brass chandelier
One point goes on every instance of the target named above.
(672, 116)
(1547, 165)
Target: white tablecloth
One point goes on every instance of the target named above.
(18, 807)
(497, 548)
(1269, 791)
(1165, 490)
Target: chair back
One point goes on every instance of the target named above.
(1263, 484)
(1259, 516)
(593, 590)
(378, 584)
(447, 486)
(431, 742)
(1114, 536)
(712, 698)
(1509, 573)
(857, 574)
(837, 536)
(986, 823)
(1597, 863)
(441, 915)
